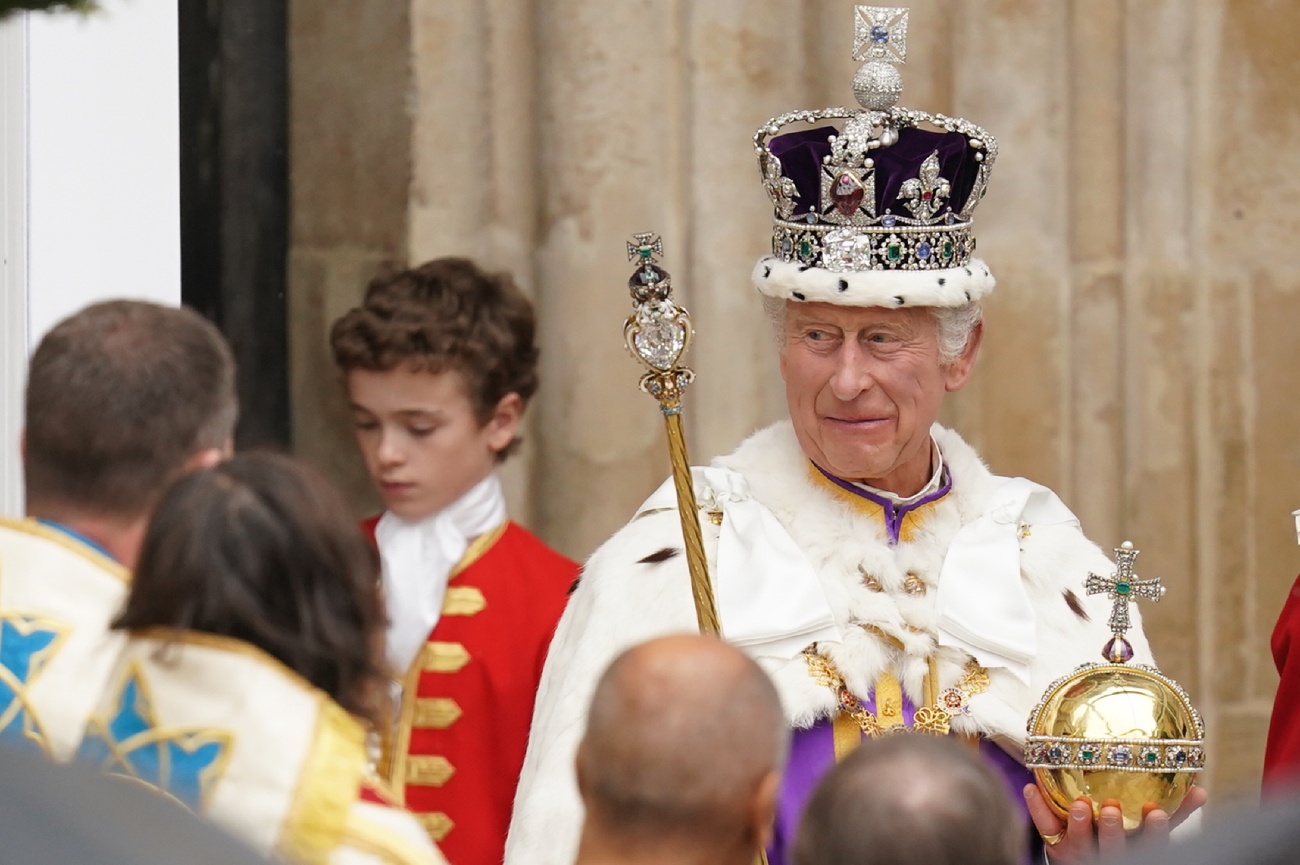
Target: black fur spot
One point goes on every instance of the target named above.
(968, 295)
(844, 285)
(898, 299)
(804, 267)
(661, 556)
(1072, 601)
(943, 281)
(798, 295)
(968, 273)
(574, 586)
(767, 271)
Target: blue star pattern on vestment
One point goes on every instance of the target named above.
(27, 643)
(183, 762)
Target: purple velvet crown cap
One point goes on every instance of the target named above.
(889, 250)
(801, 154)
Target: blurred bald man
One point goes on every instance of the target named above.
(682, 757)
(911, 798)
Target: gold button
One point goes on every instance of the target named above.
(437, 824)
(436, 713)
(429, 770)
(463, 601)
(914, 585)
(445, 657)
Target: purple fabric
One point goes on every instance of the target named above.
(894, 513)
(1016, 777)
(801, 154)
(812, 754)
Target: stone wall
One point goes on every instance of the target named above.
(1141, 343)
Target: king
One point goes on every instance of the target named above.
(861, 552)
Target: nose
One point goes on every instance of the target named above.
(389, 453)
(852, 375)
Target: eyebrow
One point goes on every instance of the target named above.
(405, 413)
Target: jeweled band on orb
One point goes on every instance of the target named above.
(1125, 755)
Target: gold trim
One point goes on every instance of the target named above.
(428, 770)
(118, 764)
(383, 843)
(463, 601)
(907, 529)
(439, 657)
(435, 713)
(928, 719)
(888, 638)
(889, 701)
(478, 548)
(30, 526)
(434, 657)
(847, 734)
(437, 824)
(24, 624)
(328, 785)
(930, 686)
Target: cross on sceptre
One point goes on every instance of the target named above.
(1123, 587)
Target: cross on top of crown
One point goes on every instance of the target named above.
(646, 246)
(1123, 587)
(880, 33)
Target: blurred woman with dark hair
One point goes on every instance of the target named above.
(253, 669)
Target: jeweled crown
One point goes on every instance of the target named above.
(878, 211)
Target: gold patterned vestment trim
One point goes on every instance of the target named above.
(381, 842)
(69, 543)
(934, 719)
(327, 787)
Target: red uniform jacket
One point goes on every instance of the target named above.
(1282, 756)
(467, 701)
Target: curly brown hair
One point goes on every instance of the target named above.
(446, 314)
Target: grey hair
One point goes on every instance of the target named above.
(956, 325)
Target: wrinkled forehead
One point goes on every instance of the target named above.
(799, 314)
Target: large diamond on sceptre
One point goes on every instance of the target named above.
(657, 333)
(1116, 731)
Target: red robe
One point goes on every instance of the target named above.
(467, 701)
(1282, 756)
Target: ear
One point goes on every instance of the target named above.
(504, 424)
(956, 373)
(762, 808)
(207, 458)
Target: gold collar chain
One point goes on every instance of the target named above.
(934, 719)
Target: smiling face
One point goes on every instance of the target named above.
(422, 442)
(864, 385)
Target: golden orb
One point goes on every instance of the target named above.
(1115, 732)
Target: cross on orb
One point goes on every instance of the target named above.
(1123, 587)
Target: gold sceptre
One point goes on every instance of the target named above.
(657, 333)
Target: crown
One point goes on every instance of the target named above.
(878, 211)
